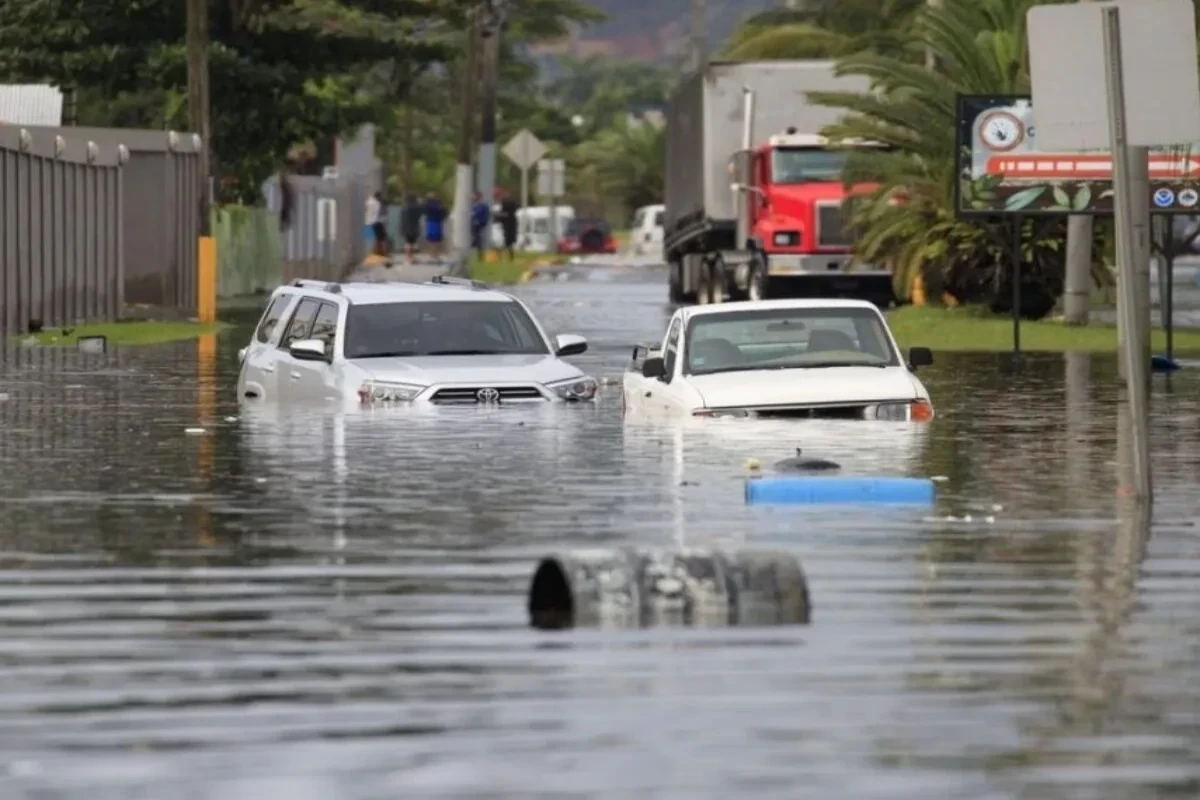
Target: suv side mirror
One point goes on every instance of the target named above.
(653, 368)
(308, 350)
(920, 357)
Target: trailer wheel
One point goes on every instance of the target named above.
(675, 282)
(756, 281)
(705, 288)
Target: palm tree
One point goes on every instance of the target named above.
(826, 29)
(625, 162)
(910, 221)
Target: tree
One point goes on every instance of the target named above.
(826, 29)
(625, 162)
(282, 71)
(909, 221)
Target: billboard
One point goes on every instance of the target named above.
(1000, 169)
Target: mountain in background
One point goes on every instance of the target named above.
(653, 31)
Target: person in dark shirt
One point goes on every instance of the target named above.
(435, 221)
(410, 224)
(481, 217)
(507, 217)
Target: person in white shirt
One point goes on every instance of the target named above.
(375, 212)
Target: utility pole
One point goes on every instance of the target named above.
(460, 216)
(700, 34)
(493, 24)
(198, 109)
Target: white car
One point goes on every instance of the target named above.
(830, 359)
(646, 235)
(446, 342)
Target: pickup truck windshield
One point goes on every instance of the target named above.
(380, 330)
(787, 338)
(792, 165)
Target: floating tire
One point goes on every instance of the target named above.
(627, 588)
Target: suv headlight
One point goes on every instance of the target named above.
(380, 392)
(916, 411)
(574, 390)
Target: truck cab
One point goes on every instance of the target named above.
(795, 204)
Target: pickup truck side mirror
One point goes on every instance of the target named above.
(920, 357)
(653, 368)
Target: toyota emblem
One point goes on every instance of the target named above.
(488, 395)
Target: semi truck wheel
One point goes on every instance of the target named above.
(704, 284)
(675, 282)
(756, 282)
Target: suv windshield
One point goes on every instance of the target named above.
(472, 327)
(806, 165)
(787, 338)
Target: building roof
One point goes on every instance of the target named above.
(30, 104)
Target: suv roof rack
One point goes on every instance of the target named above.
(450, 280)
(322, 286)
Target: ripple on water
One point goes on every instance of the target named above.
(303, 604)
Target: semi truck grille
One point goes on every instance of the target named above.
(831, 230)
(466, 395)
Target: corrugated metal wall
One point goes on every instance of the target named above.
(94, 218)
(326, 238)
(60, 230)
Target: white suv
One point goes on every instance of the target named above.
(449, 341)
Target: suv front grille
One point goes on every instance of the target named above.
(466, 395)
(831, 222)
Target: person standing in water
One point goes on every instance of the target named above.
(508, 219)
(435, 220)
(375, 217)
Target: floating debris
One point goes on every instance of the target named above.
(195, 431)
(940, 478)
(231, 419)
(801, 464)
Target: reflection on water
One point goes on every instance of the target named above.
(297, 604)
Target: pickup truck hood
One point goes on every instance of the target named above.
(470, 370)
(801, 386)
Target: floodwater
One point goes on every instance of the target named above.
(304, 605)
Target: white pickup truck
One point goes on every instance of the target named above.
(803, 358)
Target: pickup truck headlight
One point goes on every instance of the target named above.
(381, 392)
(915, 411)
(575, 390)
(787, 239)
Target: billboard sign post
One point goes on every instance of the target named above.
(1001, 169)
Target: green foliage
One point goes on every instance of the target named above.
(825, 29)
(909, 220)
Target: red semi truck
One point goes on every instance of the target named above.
(755, 193)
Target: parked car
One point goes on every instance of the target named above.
(646, 236)
(538, 228)
(584, 235)
(832, 359)
(448, 341)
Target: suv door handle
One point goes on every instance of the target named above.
(295, 376)
(269, 368)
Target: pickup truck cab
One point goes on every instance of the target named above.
(801, 358)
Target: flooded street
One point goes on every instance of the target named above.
(304, 605)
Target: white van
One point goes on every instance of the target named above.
(533, 228)
(646, 237)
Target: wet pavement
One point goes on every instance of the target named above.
(202, 602)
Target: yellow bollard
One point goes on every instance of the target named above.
(206, 279)
(917, 290)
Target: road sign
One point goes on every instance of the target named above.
(1004, 168)
(524, 149)
(1067, 69)
(552, 177)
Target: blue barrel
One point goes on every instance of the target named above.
(814, 490)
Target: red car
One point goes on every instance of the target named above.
(587, 235)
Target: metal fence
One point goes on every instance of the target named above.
(94, 218)
(161, 194)
(326, 238)
(60, 228)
